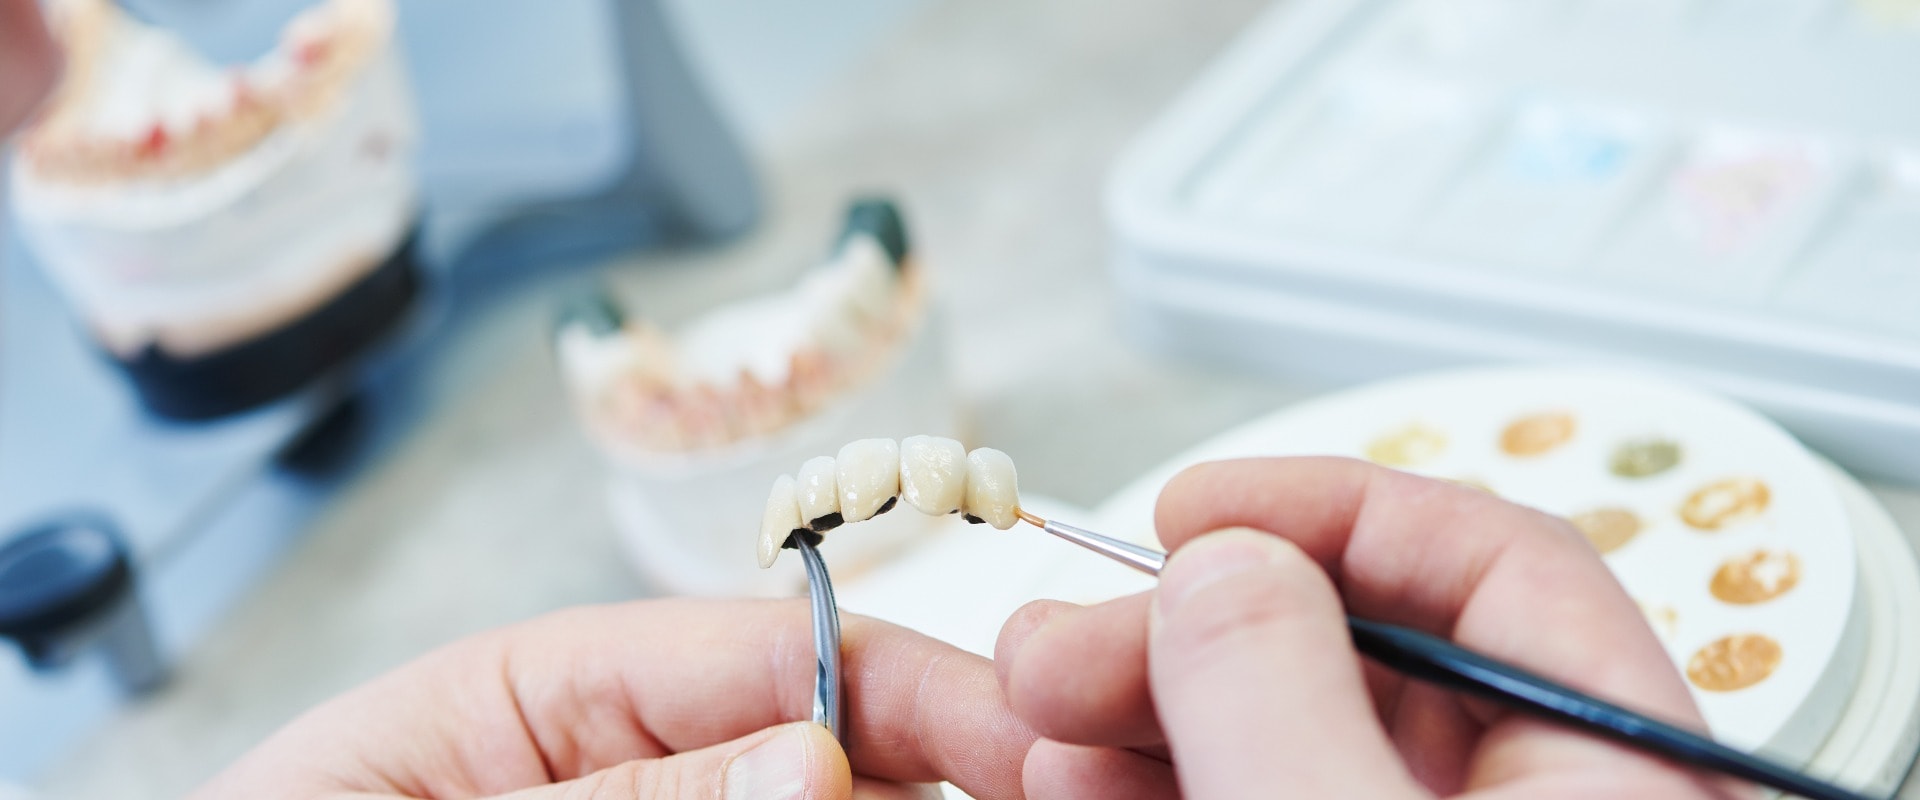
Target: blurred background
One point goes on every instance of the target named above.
(287, 552)
(204, 532)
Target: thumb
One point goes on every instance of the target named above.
(797, 760)
(1255, 679)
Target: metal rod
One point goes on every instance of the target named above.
(1144, 559)
(826, 642)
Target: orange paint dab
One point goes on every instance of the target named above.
(1537, 434)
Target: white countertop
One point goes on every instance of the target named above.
(995, 123)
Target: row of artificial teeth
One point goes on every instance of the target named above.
(633, 389)
(869, 477)
(324, 44)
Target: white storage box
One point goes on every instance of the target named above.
(1724, 191)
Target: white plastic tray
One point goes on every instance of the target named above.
(1725, 192)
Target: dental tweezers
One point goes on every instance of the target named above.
(826, 641)
(1440, 662)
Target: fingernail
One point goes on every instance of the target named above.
(1212, 558)
(775, 769)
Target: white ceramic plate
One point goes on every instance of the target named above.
(1670, 563)
(1872, 746)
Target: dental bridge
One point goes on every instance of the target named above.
(869, 477)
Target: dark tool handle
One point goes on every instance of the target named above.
(1438, 661)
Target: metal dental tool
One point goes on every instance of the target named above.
(826, 641)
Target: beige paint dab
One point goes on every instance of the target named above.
(1408, 446)
(1609, 529)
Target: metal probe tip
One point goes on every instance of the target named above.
(1144, 559)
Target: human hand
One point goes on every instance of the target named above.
(1239, 668)
(652, 700)
(29, 62)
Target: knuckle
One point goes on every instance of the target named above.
(656, 779)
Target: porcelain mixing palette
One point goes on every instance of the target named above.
(1728, 532)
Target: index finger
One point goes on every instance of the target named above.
(1510, 581)
(581, 690)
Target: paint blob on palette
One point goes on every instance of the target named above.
(1719, 524)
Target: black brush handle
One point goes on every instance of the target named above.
(1440, 662)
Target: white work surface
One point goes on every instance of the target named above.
(995, 122)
